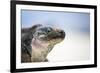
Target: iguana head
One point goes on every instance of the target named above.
(49, 35)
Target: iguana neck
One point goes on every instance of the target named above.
(40, 51)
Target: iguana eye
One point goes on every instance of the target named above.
(41, 33)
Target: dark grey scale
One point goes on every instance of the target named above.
(26, 48)
(26, 38)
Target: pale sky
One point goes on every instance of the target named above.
(69, 21)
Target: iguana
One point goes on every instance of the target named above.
(37, 41)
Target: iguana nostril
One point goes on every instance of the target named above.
(62, 33)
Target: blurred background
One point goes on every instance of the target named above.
(76, 45)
